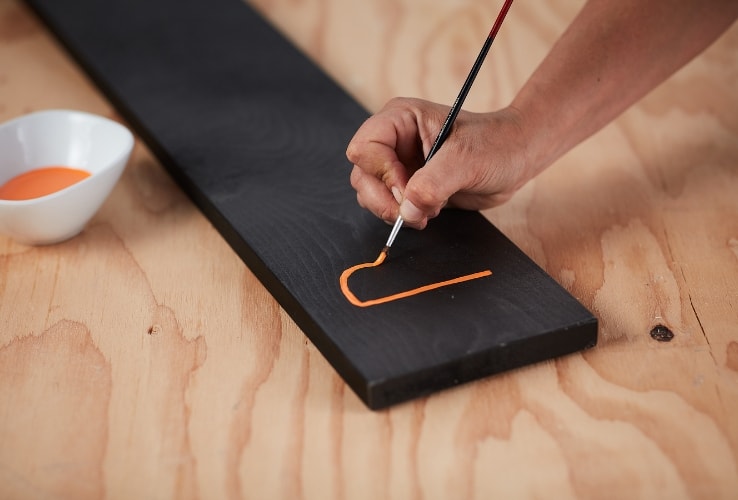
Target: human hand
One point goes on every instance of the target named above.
(480, 165)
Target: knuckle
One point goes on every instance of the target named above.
(386, 214)
(395, 102)
(424, 193)
(355, 177)
(351, 152)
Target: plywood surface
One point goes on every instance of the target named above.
(265, 162)
(122, 375)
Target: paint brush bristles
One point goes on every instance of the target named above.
(456, 107)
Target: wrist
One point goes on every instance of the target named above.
(538, 136)
(520, 136)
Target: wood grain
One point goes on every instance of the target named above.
(265, 162)
(227, 400)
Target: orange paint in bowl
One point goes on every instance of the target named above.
(41, 182)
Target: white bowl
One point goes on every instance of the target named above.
(60, 138)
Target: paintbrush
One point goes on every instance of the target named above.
(453, 113)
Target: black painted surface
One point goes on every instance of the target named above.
(255, 133)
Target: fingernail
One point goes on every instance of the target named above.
(410, 212)
(397, 194)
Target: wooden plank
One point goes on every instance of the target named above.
(197, 384)
(255, 134)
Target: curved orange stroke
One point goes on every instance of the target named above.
(343, 280)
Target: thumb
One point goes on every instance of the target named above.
(427, 192)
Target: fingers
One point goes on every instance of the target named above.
(376, 174)
(385, 151)
(372, 194)
(481, 164)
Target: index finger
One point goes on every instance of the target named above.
(387, 146)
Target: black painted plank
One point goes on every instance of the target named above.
(255, 133)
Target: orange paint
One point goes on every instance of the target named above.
(343, 280)
(40, 182)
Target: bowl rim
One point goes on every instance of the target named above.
(125, 151)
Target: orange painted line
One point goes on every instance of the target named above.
(343, 281)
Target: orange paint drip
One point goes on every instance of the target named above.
(343, 280)
(41, 182)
